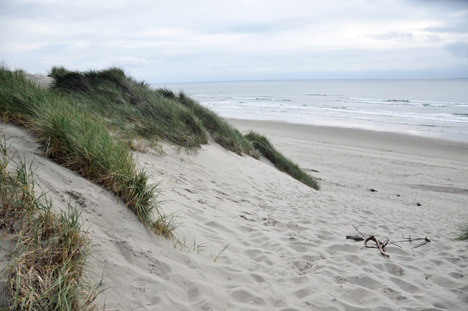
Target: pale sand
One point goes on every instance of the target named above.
(286, 242)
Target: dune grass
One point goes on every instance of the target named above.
(221, 131)
(463, 236)
(135, 110)
(130, 108)
(77, 139)
(263, 145)
(46, 266)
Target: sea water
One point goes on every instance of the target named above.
(436, 108)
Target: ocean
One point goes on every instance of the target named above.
(435, 108)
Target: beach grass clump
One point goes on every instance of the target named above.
(81, 144)
(266, 149)
(131, 108)
(165, 226)
(77, 139)
(16, 192)
(20, 99)
(220, 130)
(464, 233)
(46, 269)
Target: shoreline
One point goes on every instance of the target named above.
(359, 138)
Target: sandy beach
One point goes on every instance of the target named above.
(253, 238)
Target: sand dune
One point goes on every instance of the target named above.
(278, 244)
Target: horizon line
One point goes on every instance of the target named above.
(305, 79)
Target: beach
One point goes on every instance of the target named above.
(252, 238)
(235, 155)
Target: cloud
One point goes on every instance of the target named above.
(457, 49)
(399, 36)
(444, 5)
(184, 40)
(451, 24)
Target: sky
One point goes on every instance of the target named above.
(164, 41)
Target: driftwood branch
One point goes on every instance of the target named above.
(381, 245)
(355, 237)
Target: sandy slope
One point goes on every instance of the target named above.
(286, 246)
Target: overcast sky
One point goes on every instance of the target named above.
(163, 41)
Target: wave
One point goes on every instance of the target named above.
(397, 100)
(259, 98)
(317, 95)
(437, 117)
(404, 102)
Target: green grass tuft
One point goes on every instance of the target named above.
(464, 233)
(57, 71)
(47, 264)
(266, 149)
(165, 226)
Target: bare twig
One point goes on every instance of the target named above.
(379, 246)
(409, 238)
(384, 244)
(412, 253)
(426, 240)
(359, 231)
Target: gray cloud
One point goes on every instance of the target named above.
(185, 40)
(452, 23)
(400, 36)
(447, 5)
(458, 49)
